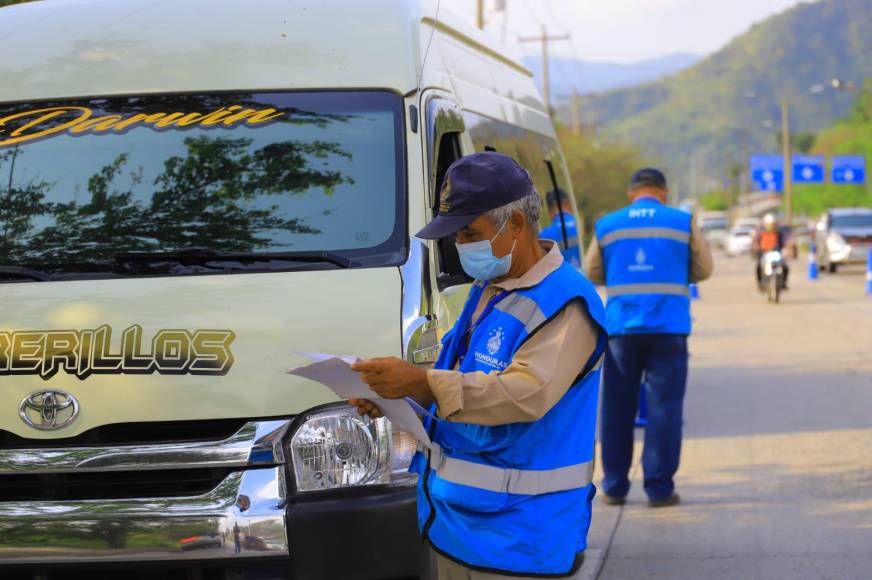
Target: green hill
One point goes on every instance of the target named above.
(698, 121)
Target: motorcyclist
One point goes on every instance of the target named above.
(769, 238)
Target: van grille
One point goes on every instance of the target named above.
(110, 485)
(133, 434)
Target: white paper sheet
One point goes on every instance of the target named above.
(334, 372)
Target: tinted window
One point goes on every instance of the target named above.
(82, 182)
(852, 221)
(526, 147)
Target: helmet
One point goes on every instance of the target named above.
(769, 221)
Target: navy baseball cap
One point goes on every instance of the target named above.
(473, 186)
(648, 177)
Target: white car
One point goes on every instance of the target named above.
(739, 241)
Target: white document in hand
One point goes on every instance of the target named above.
(335, 373)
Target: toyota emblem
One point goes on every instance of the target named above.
(49, 410)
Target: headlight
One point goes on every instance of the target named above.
(835, 242)
(336, 448)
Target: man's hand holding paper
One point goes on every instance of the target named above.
(390, 378)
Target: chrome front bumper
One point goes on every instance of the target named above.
(243, 516)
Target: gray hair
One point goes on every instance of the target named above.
(530, 205)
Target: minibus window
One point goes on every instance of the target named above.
(450, 271)
(201, 184)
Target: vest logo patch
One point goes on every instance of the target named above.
(640, 265)
(495, 341)
(493, 345)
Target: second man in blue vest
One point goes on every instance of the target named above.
(562, 228)
(646, 254)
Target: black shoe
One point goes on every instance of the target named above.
(672, 500)
(613, 499)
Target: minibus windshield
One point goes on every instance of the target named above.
(178, 184)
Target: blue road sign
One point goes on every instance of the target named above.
(808, 169)
(767, 172)
(849, 169)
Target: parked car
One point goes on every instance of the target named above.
(739, 241)
(714, 226)
(843, 236)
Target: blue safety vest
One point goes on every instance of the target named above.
(514, 498)
(571, 252)
(646, 256)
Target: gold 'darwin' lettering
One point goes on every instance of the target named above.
(40, 123)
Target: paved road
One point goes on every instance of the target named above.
(776, 473)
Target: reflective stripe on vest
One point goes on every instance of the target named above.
(514, 481)
(640, 233)
(630, 289)
(524, 309)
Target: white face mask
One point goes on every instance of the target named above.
(478, 260)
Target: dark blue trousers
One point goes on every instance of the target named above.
(663, 360)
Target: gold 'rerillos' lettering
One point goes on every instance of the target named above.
(88, 352)
(4, 351)
(172, 351)
(131, 347)
(212, 352)
(28, 349)
(60, 351)
(39, 123)
(102, 359)
(42, 116)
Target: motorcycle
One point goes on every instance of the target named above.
(772, 275)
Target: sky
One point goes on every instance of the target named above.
(626, 30)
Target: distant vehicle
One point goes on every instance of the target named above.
(843, 236)
(714, 225)
(739, 241)
(747, 222)
(772, 275)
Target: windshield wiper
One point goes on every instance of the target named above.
(24, 272)
(200, 257)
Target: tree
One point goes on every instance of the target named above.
(600, 172)
(20, 204)
(211, 197)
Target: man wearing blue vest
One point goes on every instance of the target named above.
(506, 488)
(562, 224)
(646, 254)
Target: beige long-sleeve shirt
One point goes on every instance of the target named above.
(540, 373)
(701, 263)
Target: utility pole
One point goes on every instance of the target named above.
(545, 39)
(746, 173)
(788, 162)
(479, 14)
(576, 111)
